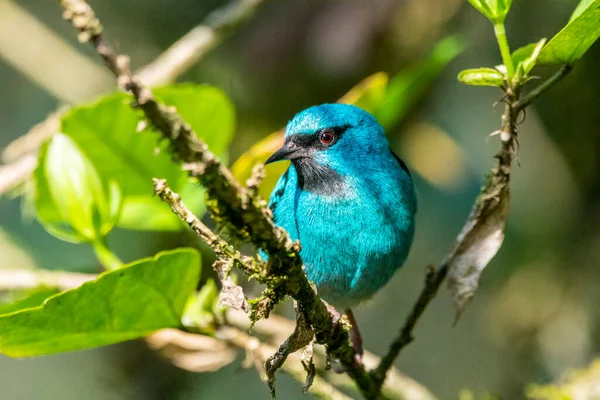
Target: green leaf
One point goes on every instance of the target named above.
(368, 93)
(494, 10)
(483, 7)
(575, 384)
(46, 211)
(407, 87)
(106, 131)
(571, 43)
(71, 200)
(481, 77)
(124, 304)
(201, 308)
(17, 301)
(583, 4)
(525, 58)
(206, 109)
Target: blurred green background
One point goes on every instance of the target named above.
(535, 315)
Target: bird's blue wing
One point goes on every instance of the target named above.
(279, 191)
(282, 204)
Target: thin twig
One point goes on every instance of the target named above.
(32, 52)
(31, 141)
(227, 257)
(201, 353)
(16, 173)
(191, 351)
(277, 329)
(433, 282)
(299, 339)
(21, 154)
(537, 92)
(196, 43)
(31, 279)
(262, 351)
(477, 242)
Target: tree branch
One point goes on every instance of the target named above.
(277, 328)
(196, 43)
(537, 92)
(14, 174)
(320, 387)
(260, 271)
(478, 241)
(433, 281)
(243, 214)
(227, 257)
(31, 279)
(189, 351)
(176, 60)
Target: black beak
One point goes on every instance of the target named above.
(289, 151)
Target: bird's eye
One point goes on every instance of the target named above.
(326, 136)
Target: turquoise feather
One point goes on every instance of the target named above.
(351, 203)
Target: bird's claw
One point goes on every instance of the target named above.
(355, 339)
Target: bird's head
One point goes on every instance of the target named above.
(331, 134)
(330, 141)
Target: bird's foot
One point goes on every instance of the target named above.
(355, 338)
(334, 363)
(335, 315)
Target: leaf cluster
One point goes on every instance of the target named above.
(565, 48)
(96, 174)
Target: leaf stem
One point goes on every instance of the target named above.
(537, 92)
(504, 49)
(107, 258)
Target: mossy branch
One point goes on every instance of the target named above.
(244, 215)
(240, 211)
(196, 352)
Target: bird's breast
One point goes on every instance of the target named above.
(352, 244)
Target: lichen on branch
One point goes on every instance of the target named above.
(238, 210)
(244, 215)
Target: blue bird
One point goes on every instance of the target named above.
(348, 199)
